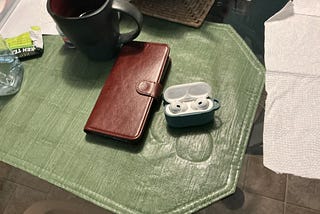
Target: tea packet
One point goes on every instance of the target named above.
(28, 44)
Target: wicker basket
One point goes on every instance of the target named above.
(188, 12)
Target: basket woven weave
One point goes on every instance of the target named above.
(188, 12)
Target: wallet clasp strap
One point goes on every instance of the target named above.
(149, 88)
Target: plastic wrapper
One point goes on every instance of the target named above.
(28, 44)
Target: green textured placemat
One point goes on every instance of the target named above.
(173, 171)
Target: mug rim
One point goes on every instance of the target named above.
(50, 11)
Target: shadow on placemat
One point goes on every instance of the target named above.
(137, 147)
(4, 100)
(115, 144)
(77, 66)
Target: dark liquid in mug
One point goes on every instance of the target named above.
(75, 8)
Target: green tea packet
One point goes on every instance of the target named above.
(28, 44)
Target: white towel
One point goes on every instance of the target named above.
(292, 113)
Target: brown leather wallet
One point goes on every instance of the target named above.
(122, 108)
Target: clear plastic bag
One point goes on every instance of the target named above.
(11, 70)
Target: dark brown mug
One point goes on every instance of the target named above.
(93, 25)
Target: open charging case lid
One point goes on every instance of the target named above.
(189, 104)
(187, 92)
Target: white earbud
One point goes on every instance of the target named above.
(200, 104)
(177, 107)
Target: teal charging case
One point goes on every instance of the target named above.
(189, 104)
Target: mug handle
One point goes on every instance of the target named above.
(127, 8)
